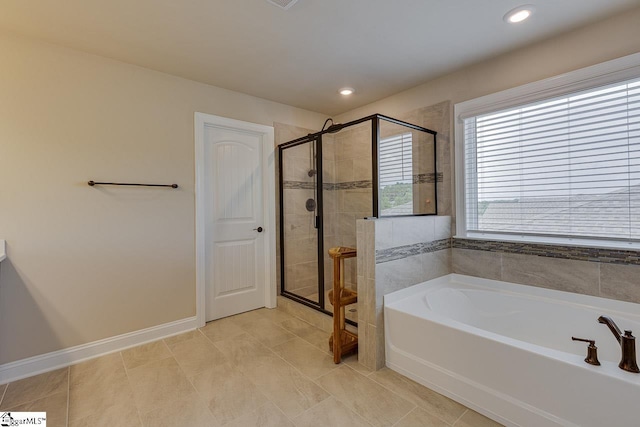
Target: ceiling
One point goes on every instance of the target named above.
(303, 55)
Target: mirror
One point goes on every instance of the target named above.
(406, 171)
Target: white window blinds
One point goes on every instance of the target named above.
(396, 175)
(569, 166)
(396, 163)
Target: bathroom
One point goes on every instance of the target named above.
(94, 271)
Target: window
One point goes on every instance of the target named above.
(561, 168)
(396, 175)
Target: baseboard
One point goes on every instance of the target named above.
(70, 356)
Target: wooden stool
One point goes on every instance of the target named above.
(340, 297)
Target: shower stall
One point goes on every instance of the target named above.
(371, 167)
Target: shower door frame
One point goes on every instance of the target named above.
(375, 183)
(319, 223)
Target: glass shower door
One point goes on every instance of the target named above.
(300, 221)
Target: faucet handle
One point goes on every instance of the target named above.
(592, 351)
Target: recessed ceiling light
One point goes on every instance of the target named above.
(519, 14)
(283, 4)
(346, 91)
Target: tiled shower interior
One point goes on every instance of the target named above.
(347, 196)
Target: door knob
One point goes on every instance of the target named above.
(259, 229)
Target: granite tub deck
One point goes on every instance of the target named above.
(505, 350)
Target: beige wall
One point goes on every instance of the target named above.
(90, 263)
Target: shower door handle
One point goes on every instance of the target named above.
(259, 229)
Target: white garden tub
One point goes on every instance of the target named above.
(505, 350)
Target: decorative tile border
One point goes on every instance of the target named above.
(329, 186)
(579, 253)
(428, 178)
(422, 178)
(392, 254)
(299, 185)
(351, 185)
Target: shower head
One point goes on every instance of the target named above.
(337, 127)
(333, 128)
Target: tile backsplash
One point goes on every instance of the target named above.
(599, 272)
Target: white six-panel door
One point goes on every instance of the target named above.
(233, 195)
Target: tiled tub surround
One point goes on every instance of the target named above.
(605, 273)
(578, 253)
(392, 254)
(395, 253)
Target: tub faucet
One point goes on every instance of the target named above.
(627, 343)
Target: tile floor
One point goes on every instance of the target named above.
(261, 368)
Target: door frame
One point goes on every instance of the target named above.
(202, 121)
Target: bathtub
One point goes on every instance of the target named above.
(505, 350)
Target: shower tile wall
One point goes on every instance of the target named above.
(422, 162)
(347, 196)
(330, 202)
(347, 192)
(438, 118)
(300, 236)
(423, 175)
(301, 241)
